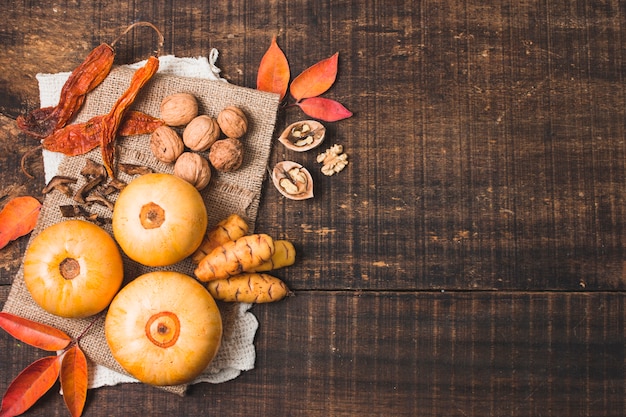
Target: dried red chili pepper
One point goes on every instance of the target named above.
(80, 138)
(42, 122)
(112, 120)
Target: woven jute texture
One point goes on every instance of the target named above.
(237, 192)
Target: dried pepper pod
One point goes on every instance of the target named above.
(102, 130)
(113, 120)
(80, 138)
(42, 122)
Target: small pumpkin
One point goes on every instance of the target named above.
(164, 328)
(73, 269)
(159, 219)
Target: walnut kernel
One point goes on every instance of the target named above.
(233, 122)
(166, 144)
(193, 168)
(226, 155)
(179, 109)
(333, 160)
(201, 133)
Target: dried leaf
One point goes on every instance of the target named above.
(274, 75)
(316, 79)
(74, 380)
(18, 218)
(324, 109)
(30, 385)
(35, 334)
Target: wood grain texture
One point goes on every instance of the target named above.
(470, 259)
(404, 354)
(491, 136)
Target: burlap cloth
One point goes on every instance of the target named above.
(237, 192)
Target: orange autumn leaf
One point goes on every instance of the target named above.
(35, 334)
(74, 380)
(316, 79)
(324, 109)
(18, 218)
(30, 385)
(274, 74)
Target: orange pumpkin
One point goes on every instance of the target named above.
(73, 269)
(163, 328)
(159, 219)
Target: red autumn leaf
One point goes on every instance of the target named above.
(316, 79)
(30, 385)
(35, 334)
(273, 75)
(18, 218)
(74, 380)
(324, 109)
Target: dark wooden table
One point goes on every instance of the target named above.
(470, 259)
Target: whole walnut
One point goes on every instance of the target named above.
(226, 155)
(166, 145)
(233, 122)
(193, 168)
(178, 109)
(201, 133)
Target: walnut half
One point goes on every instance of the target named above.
(302, 136)
(292, 180)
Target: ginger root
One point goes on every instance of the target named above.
(284, 255)
(248, 288)
(235, 256)
(231, 228)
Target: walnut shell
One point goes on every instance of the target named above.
(226, 155)
(179, 109)
(193, 168)
(233, 122)
(201, 133)
(292, 180)
(303, 135)
(166, 144)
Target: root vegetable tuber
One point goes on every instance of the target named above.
(231, 228)
(235, 257)
(284, 255)
(248, 288)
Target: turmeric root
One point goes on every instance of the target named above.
(248, 288)
(284, 255)
(231, 228)
(235, 256)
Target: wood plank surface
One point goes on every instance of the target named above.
(470, 259)
(453, 354)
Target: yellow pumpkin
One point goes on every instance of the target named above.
(159, 219)
(73, 269)
(163, 328)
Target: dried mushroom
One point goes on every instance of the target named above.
(292, 180)
(60, 183)
(303, 135)
(333, 160)
(132, 169)
(93, 169)
(87, 188)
